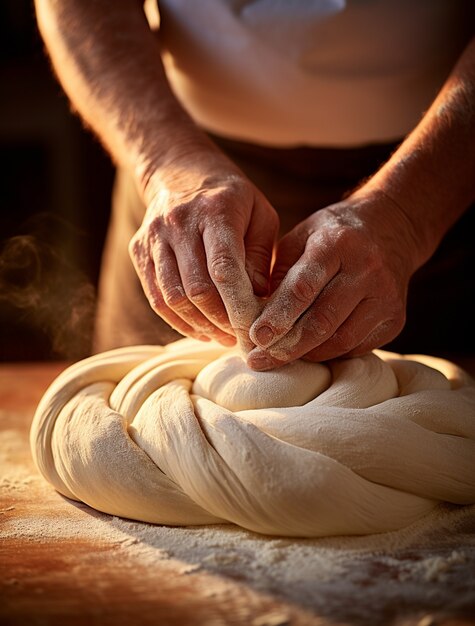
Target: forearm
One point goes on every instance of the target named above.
(108, 61)
(431, 177)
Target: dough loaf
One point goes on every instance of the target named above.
(187, 434)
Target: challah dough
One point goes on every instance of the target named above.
(187, 434)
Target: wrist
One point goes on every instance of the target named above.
(393, 222)
(191, 163)
(409, 201)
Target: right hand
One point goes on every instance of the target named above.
(204, 249)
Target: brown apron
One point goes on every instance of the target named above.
(297, 182)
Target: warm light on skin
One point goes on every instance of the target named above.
(119, 86)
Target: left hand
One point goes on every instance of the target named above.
(340, 278)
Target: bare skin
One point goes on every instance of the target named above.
(204, 249)
(210, 224)
(341, 276)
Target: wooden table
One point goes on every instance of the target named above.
(63, 563)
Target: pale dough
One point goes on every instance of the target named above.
(187, 434)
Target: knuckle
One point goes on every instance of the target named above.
(152, 229)
(174, 296)
(314, 244)
(325, 320)
(223, 268)
(200, 292)
(303, 290)
(178, 216)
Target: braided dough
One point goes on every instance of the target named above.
(188, 434)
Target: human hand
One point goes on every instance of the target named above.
(204, 250)
(340, 280)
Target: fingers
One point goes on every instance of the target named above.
(200, 291)
(146, 272)
(226, 266)
(361, 331)
(200, 286)
(163, 287)
(316, 326)
(177, 286)
(211, 251)
(259, 244)
(344, 295)
(302, 284)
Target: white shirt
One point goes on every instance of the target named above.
(310, 72)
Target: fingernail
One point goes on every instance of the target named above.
(260, 362)
(264, 336)
(203, 338)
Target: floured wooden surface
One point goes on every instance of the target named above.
(61, 562)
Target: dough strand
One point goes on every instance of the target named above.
(187, 434)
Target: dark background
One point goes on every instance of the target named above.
(55, 194)
(56, 183)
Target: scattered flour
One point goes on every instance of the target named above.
(425, 567)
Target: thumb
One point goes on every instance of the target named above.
(259, 245)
